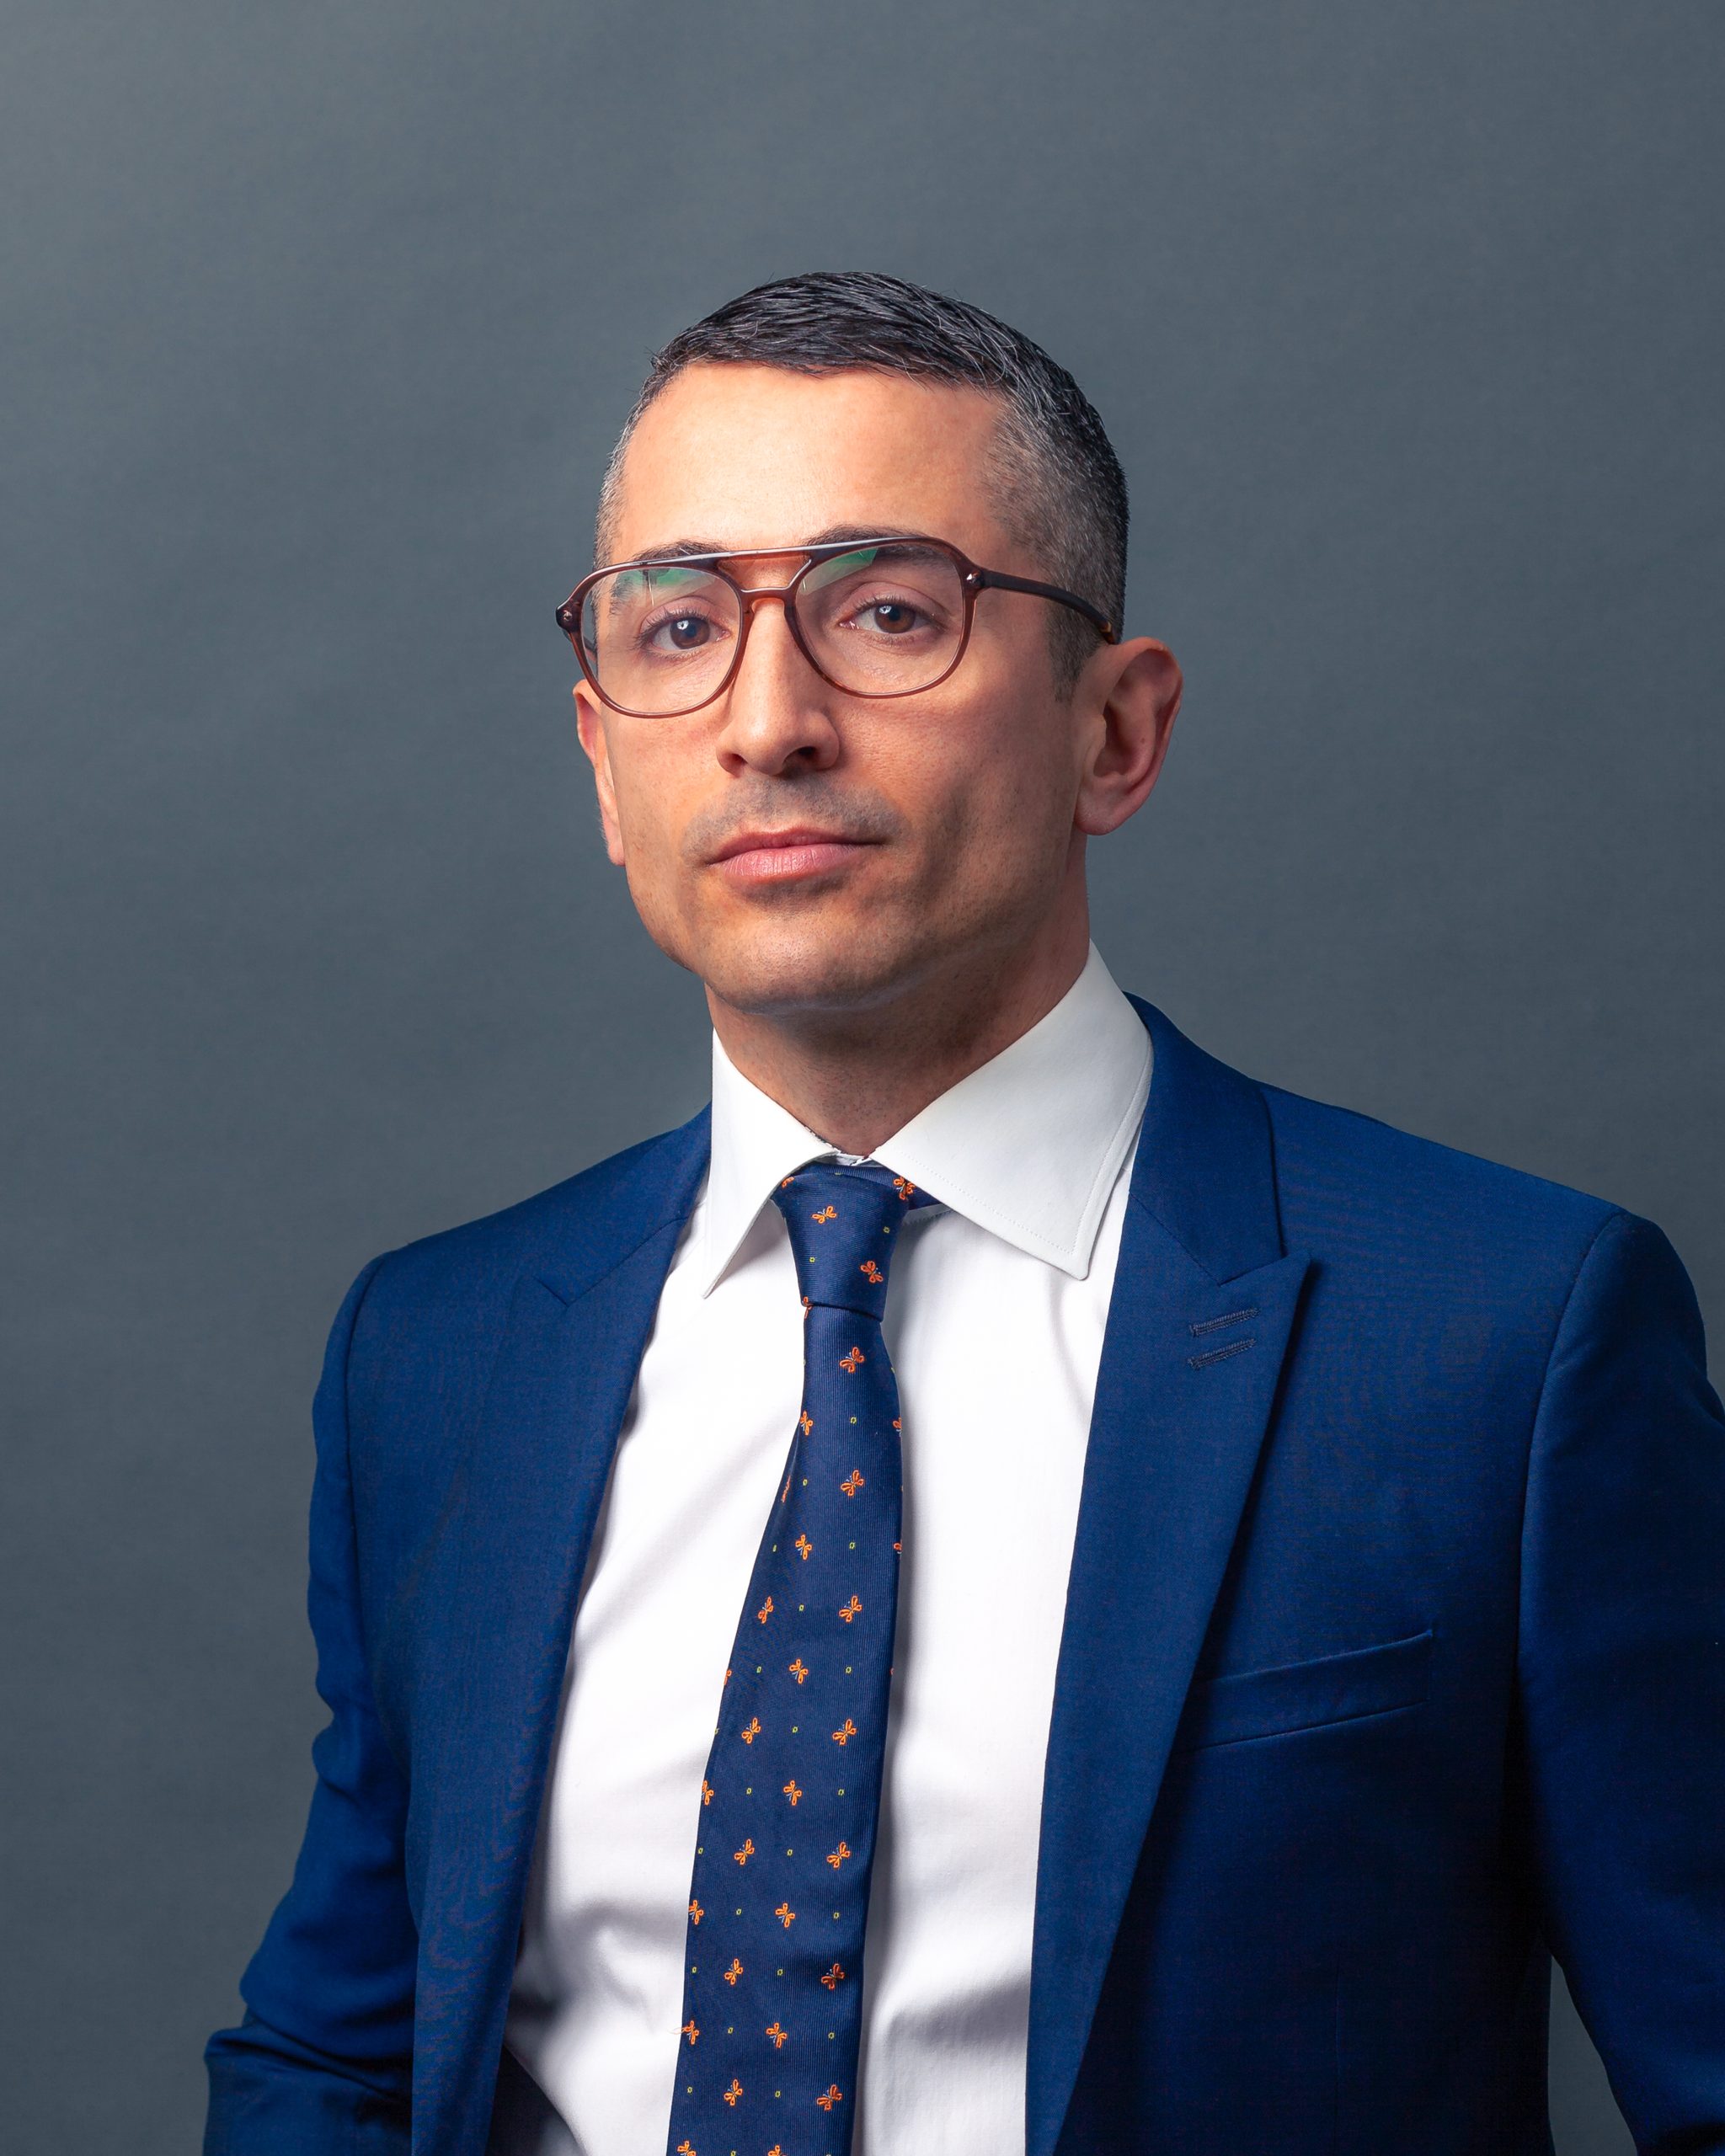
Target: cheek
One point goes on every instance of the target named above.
(653, 810)
(1011, 795)
(651, 789)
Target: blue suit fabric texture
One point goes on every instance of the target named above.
(785, 1842)
(1393, 1661)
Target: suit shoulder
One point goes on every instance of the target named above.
(1348, 1173)
(572, 1233)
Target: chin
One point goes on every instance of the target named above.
(783, 973)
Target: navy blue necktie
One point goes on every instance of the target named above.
(773, 1980)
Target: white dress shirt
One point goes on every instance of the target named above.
(995, 1314)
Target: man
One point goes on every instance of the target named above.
(1196, 1591)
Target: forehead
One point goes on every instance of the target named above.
(736, 456)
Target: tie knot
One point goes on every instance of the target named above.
(844, 1225)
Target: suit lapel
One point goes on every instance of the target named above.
(1203, 1307)
(559, 1391)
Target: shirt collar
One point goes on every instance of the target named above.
(1028, 1146)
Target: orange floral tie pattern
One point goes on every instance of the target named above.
(800, 1818)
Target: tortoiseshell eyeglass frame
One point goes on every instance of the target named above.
(972, 580)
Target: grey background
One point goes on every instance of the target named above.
(1406, 324)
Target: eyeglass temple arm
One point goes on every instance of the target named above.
(998, 581)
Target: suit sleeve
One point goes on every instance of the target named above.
(1622, 1680)
(323, 2061)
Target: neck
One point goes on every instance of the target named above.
(855, 1076)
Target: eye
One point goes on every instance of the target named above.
(899, 593)
(677, 631)
(889, 615)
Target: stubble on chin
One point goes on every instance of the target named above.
(783, 965)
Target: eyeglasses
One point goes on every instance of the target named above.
(874, 617)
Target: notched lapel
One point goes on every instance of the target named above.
(535, 1479)
(1201, 1317)
(1180, 1418)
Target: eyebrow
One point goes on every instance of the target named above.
(677, 550)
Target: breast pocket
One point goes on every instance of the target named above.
(1299, 1695)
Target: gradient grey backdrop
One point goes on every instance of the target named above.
(1406, 320)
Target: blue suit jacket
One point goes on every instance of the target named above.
(1394, 1657)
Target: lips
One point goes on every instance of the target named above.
(787, 856)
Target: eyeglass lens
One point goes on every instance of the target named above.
(882, 621)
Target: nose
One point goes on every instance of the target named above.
(776, 717)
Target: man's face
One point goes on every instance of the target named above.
(798, 848)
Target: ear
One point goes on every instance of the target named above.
(1133, 692)
(589, 725)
